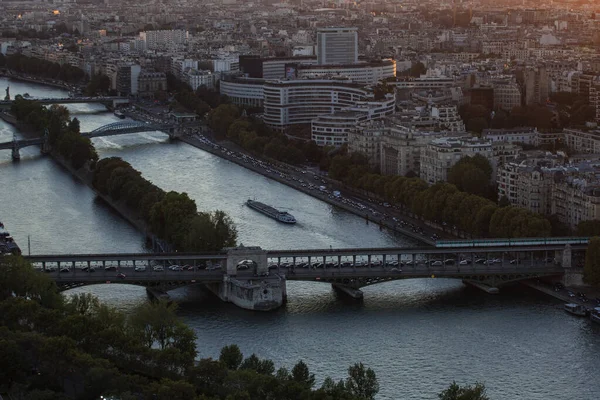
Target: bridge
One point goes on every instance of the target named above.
(112, 101)
(116, 128)
(254, 278)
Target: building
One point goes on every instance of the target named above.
(536, 85)
(243, 91)
(334, 129)
(581, 141)
(366, 73)
(366, 138)
(337, 46)
(128, 80)
(165, 39)
(527, 136)
(196, 78)
(441, 154)
(575, 200)
(507, 94)
(448, 118)
(299, 101)
(151, 82)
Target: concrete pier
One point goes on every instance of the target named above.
(354, 293)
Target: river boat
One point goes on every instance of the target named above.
(7, 243)
(269, 211)
(595, 315)
(576, 309)
(119, 114)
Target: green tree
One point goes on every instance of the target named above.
(456, 392)
(301, 374)
(362, 382)
(231, 356)
(591, 269)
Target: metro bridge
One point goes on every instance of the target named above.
(115, 128)
(487, 264)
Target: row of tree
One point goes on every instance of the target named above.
(42, 68)
(53, 347)
(442, 202)
(172, 216)
(64, 133)
(257, 138)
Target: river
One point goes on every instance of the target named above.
(418, 335)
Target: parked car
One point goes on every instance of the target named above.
(65, 269)
(110, 268)
(464, 262)
(158, 268)
(436, 263)
(140, 268)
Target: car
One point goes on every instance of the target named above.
(436, 263)
(515, 261)
(188, 267)
(88, 269)
(449, 261)
(65, 269)
(176, 268)
(213, 267)
(464, 262)
(140, 268)
(157, 268)
(245, 266)
(110, 268)
(480, 261)
(396, 270)
(121, 276)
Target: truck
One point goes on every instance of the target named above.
(337, 193)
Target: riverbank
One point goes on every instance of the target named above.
(39, 81)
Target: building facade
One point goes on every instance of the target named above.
(337, 46)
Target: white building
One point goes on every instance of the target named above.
(515, 135)
(334, 129)
(366, 73)
(299, 101)
(337, 45)
(196, 78)
(243, 91)
(164, 40)
(441, 154)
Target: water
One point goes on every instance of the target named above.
(418, 335)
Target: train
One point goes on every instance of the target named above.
(517, 242)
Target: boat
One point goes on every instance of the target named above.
(269, 211)
(576, 309)
(7, 243)
(595, 315)
(119, 114)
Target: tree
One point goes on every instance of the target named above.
(362, 382)
(231, 356)
(477, 125)
(591, 269)
(301, 374)
(456, 392)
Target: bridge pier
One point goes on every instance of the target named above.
(261, 292)
(482, 286)
(347, 290)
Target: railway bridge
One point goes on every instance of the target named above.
(255, 278)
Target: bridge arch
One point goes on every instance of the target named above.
(163, 286)
(119, 126)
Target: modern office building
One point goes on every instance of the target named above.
(337, 46)
(299, 101)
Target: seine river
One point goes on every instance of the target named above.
(418, 335)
